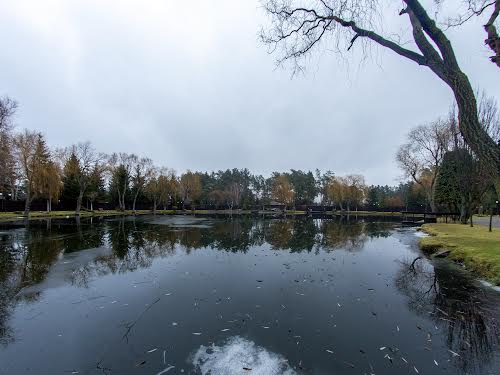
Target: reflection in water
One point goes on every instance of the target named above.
(28, 251)
(88, 249)
(455, 302)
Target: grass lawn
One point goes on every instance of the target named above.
(477, 248)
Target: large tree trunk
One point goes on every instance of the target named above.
(135, 200)
(123, 196)
(27, 204)
(79, 203)
(470, 127)
(432, 202)
(119, 198)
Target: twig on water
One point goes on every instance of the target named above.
(131, 325)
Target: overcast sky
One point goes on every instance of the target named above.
(188, 84)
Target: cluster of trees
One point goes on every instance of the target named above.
(443, 172)
(451, 174)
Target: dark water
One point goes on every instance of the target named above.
(236, 296)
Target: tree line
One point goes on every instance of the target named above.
(79, 176)
(449, 172)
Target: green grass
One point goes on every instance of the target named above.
(477, 248)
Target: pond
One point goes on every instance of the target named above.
(240, 295)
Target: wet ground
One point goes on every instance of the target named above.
(185, 295)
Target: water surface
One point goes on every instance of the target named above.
(181, 294)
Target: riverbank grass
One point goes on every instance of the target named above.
(476, 247)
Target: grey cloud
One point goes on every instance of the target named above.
(205, 94)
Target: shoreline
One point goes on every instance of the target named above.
(475, 247)
(14, 216)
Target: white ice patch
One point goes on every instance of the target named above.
(420, 233)
(237, 356)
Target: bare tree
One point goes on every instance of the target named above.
(234, 194)
(476, 8)
(421, 157)
(299, 26)
(153, 187)
(141, 168)
(8, 175)
(87, 159)
(121, 166)
(29, 149)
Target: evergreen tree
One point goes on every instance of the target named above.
(71, 187)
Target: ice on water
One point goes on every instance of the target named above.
(237, 355)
